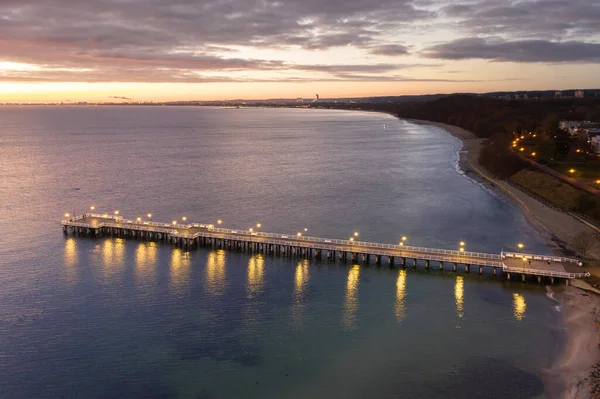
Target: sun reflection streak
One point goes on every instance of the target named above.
(459, 292)
(180, 268)
(519, 306)
(351, 300)
(71, 258)
(215, 272)
(255, 275)
(298, 298)
(113, 256)
(400, 294)
(145, 260)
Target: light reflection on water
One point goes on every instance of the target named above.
(400, 311)
(299, 297)
(255, 276)
(459, 292)
(351, 299)
(179, 269)
(145, 261)
(71, 258)
(519, 306)
(215, 280)
(113, 257)
(254, 287)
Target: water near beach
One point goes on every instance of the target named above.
(110, 318)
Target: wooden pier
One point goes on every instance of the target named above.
(512, 265)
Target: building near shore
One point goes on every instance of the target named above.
(579, 94)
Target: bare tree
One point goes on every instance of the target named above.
(583, 242)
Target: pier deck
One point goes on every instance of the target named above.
(194, 234)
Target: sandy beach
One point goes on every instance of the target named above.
(569, 377)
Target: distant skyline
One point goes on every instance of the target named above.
(166, 50)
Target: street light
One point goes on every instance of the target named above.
(401, 244)
(250, 229)
(571, 171)
(258, 225)
(462, 249)
(219, 221)
(462, 243)
(116, 212)
(174, 222)
(139, 219)
(184, 218)
(351, 238)
(305, 229)
(149, 215)
(299, 234)
(67, 215)
(403, 238)
(356, 234)
(92, 208)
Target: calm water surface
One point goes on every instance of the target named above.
(104, 318)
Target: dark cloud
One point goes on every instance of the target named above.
(516, 51)
(191, 40)
(389, 49)
(541, 19)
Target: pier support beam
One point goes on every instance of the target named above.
(391, 261)
(467, 268)
(441, 265)
(426, 264)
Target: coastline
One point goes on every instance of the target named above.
(570, 376)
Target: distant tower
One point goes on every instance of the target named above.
(316, 97)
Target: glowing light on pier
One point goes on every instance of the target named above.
(299, 234)
(356, 234)
(184, 218)
(351, 300)
(116, 212)
(67, 215)
(571, 171)
(149, 215)
(459, 292)
(521, 246)
(519, 306)
(399, 308)
(139, 219)
(92, 208)
(258, 225)
(219, 221)
(215, 273)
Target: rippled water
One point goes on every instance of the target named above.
(104, 318)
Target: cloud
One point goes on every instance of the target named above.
(541, 19)
(389, 49)
(516, 51)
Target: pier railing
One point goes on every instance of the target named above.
(551, 258)
(357, 243)
(548, 273)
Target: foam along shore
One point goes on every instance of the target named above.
(569, 377)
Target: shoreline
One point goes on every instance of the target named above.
(569, 375)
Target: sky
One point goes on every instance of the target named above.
(165, 50)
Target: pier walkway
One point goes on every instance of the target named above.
(194, 234)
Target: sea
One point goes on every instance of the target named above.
(123, 318)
